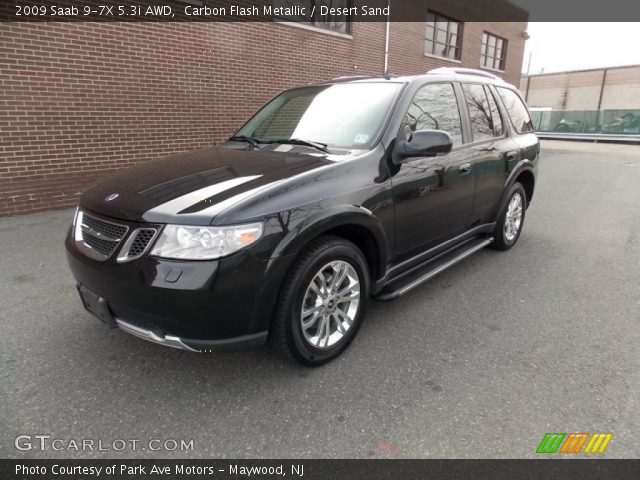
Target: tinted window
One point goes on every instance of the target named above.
(434, 107)
(495, 113)
(517, 111)
(479, 111)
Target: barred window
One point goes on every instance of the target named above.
(443, 37)
(335, 23)
(494, 52)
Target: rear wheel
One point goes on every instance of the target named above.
(511, 219)
(322, 301)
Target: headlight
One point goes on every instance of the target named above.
(204, 243)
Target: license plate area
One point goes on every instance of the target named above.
(97, 306)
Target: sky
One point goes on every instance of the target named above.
(560, 46)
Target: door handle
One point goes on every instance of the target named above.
(464, 168)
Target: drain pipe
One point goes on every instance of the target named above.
(386, 41)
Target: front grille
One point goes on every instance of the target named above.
(97, 238)
(108, 229)
(137, 244)
(105, 247)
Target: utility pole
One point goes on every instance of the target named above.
(386, 41)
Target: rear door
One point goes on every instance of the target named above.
(524, 141)
(488, 149)
(433, 196)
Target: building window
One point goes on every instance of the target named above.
(335, 23)
(444, 36)
(494, 52)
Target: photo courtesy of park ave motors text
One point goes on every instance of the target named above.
(319, 230)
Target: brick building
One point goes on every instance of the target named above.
(614, 88)
(80, 99)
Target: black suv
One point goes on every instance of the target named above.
(331, 193)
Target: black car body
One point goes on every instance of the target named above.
(405, 198)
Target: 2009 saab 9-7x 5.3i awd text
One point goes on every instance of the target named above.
(329, 194)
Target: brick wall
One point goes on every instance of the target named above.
(580, 90)
(407, 54)
(78, 100)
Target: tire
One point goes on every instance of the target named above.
(308, 284)
(508, 228)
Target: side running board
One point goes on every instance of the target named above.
(430, 269)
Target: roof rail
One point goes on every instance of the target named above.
(464, 71)
(349, 77)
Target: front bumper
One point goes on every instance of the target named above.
(193, 345)
(193, 305)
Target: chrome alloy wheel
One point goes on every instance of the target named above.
(330, 304)
(513, 218)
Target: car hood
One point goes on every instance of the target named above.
(193, 187)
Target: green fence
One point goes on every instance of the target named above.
(587, 121)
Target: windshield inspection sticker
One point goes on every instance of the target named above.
(361, 138)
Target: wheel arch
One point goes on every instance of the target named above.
(527, 179)
(353, 223)
(523, 172)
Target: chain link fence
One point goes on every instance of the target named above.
(587, 121)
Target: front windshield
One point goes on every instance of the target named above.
(344, 115)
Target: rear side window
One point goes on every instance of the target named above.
(479, 111)
(517, 111)
(498, 129)
(434, 107)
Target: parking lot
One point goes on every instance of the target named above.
(480, 362)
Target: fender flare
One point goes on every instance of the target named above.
(336, 216)
(521, 166)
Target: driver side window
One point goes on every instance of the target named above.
(434, 107)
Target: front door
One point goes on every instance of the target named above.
(433, 196)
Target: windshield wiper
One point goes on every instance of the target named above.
(297, 141)
(288, 141)
(244, 138)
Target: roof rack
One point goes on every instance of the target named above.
(464, 71)
(349, 77)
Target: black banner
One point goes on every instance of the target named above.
(319, 469)
(312, 10)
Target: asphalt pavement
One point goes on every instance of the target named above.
(480, 362)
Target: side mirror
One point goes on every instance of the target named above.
(423, 143)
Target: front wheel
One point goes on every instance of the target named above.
(511, 219)
(321, 304)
